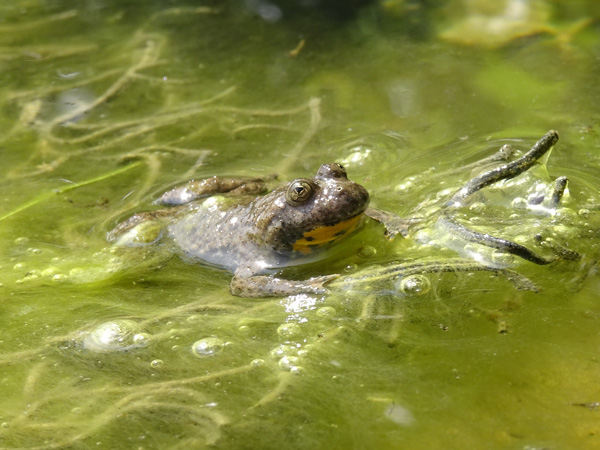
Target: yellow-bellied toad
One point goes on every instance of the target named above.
(251, 234)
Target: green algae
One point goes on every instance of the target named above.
(104, 107)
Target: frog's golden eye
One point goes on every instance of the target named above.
(299, 192)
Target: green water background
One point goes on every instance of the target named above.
(105, 104)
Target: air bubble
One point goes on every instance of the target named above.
(519, 203)
(366, 252)
(48, 272)
(350, 268)
(115, 336)
(477, 207)
(210, 346)
(288, 330)
(502, 258)
(326, 311)
(156, 363)
(565, 232)
(141, 339)
(257, 362)
(288, 363)
(282, 350)
(297, 370)
(565, 216)
(584, 212)
(415, 285)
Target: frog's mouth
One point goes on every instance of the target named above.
(317, 237)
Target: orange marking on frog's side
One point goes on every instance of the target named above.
(322, 235)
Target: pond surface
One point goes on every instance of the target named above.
(106, 104)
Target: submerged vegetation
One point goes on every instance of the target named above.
(106, 105)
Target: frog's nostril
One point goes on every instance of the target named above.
(340, 189)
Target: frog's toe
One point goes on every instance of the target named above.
(321, 281)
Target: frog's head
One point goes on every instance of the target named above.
(311, 212)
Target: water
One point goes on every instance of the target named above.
(107, 104)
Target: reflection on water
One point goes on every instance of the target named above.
(107, 104)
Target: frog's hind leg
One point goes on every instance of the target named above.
(142, 228)
(451, 225)
(266, 286)
(399, 226)
(364, 280)
(508, 171)
(206, 187)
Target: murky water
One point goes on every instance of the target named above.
(106, 104)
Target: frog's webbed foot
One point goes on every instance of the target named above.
(393, 224)
(206, 187)
(266, 286)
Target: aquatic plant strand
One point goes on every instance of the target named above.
(61, 190)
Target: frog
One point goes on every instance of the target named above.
(254, 233)
(236, 225)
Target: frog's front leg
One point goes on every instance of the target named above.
(266, 286)
(393, 224)
(206, 187)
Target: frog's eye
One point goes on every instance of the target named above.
(300, 191)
